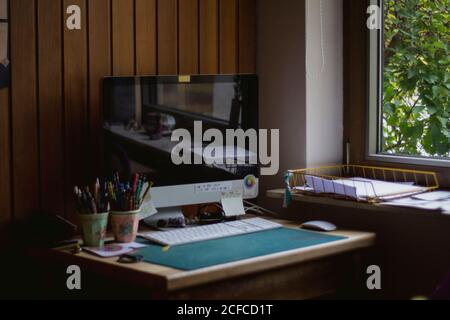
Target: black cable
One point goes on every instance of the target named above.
(208, 217)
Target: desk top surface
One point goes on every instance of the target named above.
(171, 279)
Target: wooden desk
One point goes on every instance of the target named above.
(298, 274)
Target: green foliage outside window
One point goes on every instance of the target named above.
(416, 105)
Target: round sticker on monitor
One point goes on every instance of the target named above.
(250, 186)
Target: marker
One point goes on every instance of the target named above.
(135, 183)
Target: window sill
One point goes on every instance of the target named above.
(442, 163)
(373, 208)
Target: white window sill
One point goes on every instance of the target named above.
(432, 162)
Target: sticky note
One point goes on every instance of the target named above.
(233, 204)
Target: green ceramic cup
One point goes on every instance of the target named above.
(93, 229)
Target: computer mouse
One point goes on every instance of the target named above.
(323, 226)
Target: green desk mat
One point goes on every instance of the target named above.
(225, 250)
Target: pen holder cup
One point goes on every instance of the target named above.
(125, 225)
(93, 229)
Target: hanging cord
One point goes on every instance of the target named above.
(322, 44)
(249, 207)
(258, 209)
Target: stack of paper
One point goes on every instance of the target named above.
(438, 200)
(361, 188)
(401, 194)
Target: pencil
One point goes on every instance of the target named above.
(146, 192)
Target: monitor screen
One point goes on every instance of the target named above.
(212, 100)
(141, 114)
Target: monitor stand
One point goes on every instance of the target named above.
(167, 218)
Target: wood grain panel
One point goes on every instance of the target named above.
(53, 126)
(228, 36)
(3, 9)
(123, 37)
(188, 36)
(146, 61)
(24, 108)
(50, 106)
(247, 36)
(167, 37)
(5, 163)
(99, 67)
(75, 100)
(209, 36)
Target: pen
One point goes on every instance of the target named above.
(92, 203)
(112, 194)
(104, 195)
(137, 194)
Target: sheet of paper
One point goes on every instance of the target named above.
(433, 196)
(114, 249)
(304, 188)
(233, 204)
(348, 191)
(320, 185)
(446, 208)
(361, 188)
(148, 209)
(412, 203)
(309, 182)
(367, 188)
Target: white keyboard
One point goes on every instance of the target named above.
(209, 232)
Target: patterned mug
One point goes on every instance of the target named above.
(125, 225)
(93, 228)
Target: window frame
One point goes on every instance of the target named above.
(375, 63)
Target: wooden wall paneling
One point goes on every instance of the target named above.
(167, 37)
(3, 9)
(123, 37)
(50, 105)
(75, 105)
(228, 26)
(24, 107)
(188, 34)
(146, 34)
(99, 67)
(247, 36)
(209, 36)
(5, 159)
(56, 107)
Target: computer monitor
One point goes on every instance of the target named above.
(142, 113)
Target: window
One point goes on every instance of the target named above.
(409, 115)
